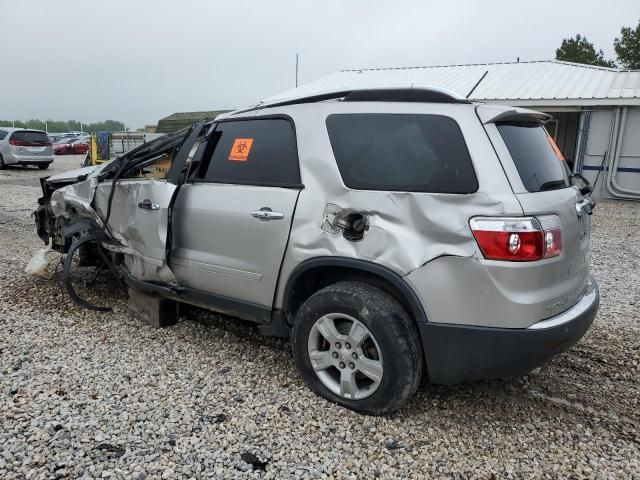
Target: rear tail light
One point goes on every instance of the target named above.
(518, 239)
(21, 143)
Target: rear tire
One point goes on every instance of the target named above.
(43, 166)
(366, 350)
(2, 164)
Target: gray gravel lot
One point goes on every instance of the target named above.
(102, 395)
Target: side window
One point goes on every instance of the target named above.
(253, 152)
(401, 152)
(155, 168)
(2, 134)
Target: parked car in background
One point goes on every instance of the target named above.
(80, 146)
(56, 137)
(19, 146)
(64, 146)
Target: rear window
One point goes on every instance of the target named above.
(27, 136)
(3, 133)
(398, 152)
(530, 146)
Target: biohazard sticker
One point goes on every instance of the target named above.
(240, 149)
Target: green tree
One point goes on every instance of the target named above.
(56, 126)
(60, 126)
(627, 47)
(581, 50)
(34, 124)
(107, 125)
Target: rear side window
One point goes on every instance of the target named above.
(532, 150)
(3, 134)
(29, 136)
(412, 153)
(253, 152)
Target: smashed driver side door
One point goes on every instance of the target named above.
(137, 208)
(139, 220)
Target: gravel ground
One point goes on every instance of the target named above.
(85, 394)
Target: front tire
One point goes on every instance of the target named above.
(2, 164)
(356, 346)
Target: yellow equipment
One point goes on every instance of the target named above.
(105, 146)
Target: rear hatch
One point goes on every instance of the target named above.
(31, 143)
(540, 179)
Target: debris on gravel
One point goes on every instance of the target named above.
(102, 395)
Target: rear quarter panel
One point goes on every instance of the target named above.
(406, 230)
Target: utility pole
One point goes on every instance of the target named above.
(296, 70)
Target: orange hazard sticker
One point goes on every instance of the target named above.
(553, 144)
(240, 149)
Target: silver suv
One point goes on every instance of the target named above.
(391, 234)
(19, 146)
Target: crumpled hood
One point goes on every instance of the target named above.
(72, 175)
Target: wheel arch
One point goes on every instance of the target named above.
(315, 273)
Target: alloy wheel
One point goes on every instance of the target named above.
(345, 356)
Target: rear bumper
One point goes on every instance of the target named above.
(27, 159)
(458, 353)
(35, 161)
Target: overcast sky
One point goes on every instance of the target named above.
(140, 60)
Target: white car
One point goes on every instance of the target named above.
(19, 146)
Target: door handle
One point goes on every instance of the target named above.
(147, 205)
(265, 213)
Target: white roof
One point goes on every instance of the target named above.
(538, 83)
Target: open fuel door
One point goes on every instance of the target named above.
(137, 205)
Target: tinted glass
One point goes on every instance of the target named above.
(413, 153)
(28, 136)
(2, 134)
(254, 152)
(539, 166)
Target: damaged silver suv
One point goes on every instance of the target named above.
(391, 234)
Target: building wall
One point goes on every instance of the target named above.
(567, 133)
(625, 144)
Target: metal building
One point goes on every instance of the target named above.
(596, 110)
(179, 120)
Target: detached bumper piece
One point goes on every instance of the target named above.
(458, 353)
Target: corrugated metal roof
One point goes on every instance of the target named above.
(546, 82)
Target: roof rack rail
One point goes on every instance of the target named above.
(418, 95)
